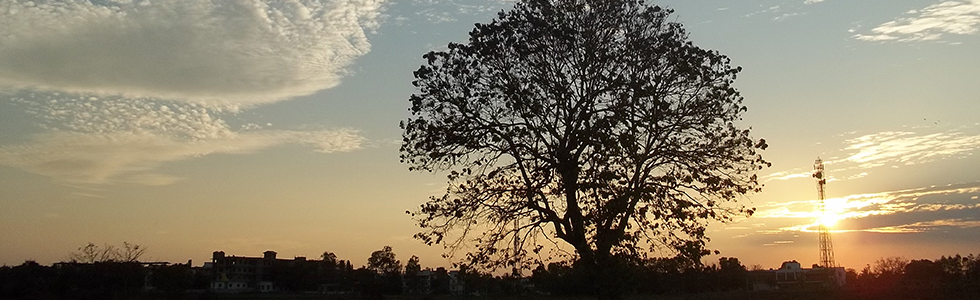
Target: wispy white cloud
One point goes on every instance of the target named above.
(443, 11)
(908, 148)
(890, 148)
(94, 140)
(239, 52)
(786, 175)
(787, 15)
(128, 157)
(960, 17)
(926, 226)
(765, 10)
(782, 11)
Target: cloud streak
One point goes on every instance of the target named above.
(445, 11)
(908, 148)
(94, 140)
(961, 17)
(127, 157)
(891, 148)
(903, 211)
(234, 52)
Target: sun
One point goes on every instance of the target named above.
(833, 211)
(829, 219)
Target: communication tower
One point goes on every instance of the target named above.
(826, 245)
(517, 248)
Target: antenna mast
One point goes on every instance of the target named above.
(517, 246)
(826, 245)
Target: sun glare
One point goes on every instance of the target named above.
(833, 211)
(828, 219)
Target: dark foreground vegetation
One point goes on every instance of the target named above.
(949, 277)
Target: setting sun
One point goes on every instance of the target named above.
(829, 219)
(833, 210)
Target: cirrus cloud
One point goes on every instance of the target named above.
(908, 148)
(891, 148)
(961, 17)
(99, 158)
(111, 139)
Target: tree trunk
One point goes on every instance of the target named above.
(607, 274)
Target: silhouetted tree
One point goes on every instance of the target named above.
(100, 280)
(412, 267)
(952, 266)
(173, 278)
(440, 281)
(732, 274)
(850, 276)
(383, 262)
(367, 283)
(413, 279)
(881, 278)
(922, 274)
(28, 280)
(296, 275)
(329, 259)
(593, 121)
(344, 278)
(890, 266)
(330, 269)
(92, 253)
(130, 252)
(560, 279)
(971, 268)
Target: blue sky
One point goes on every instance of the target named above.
(245, 126)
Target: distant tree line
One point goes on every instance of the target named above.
(656, 276)
(110, 272)
(94, 273)
(99, 272)
(949, 277)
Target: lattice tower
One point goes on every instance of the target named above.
(517, 249)
(826, 244)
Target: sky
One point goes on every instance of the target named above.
(194, 126)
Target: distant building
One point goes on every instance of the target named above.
(456, 284)
(152, 267)
(418, 284)
(428, 282)
(245, 274)
(791, 276)
(242, 274)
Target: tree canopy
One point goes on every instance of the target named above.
(412, 267)
(92, 253)
(383, 262)
(593, 122)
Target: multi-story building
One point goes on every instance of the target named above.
(241, 273)
(791, 275)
